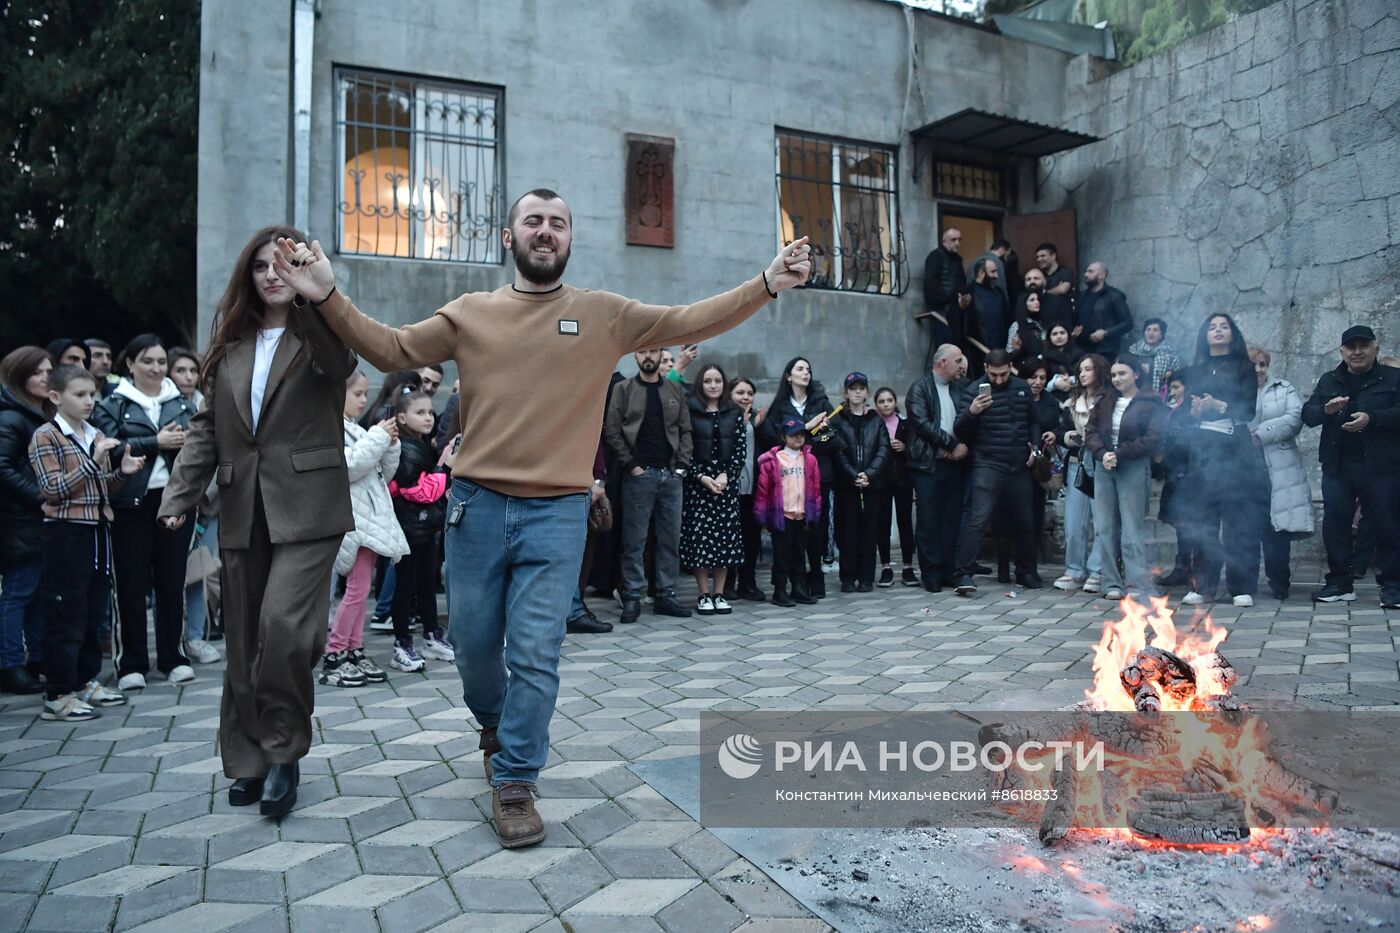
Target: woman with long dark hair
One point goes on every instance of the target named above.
(801, 396)
(742, 582)
(1228, 478)
(270, 434)
(147, 413)
(1083, 564)
(711, 534)
(897, 494)
(1026, 338)
(24, 407)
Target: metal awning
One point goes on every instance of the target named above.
(995, 133)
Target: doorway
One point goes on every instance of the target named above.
(978, 233)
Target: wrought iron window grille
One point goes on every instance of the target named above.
(844, 196)
(968, 182)
(419, 168)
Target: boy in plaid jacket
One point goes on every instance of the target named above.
(71, 459)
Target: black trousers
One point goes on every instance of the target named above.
(994, 488)
(1006, 540)
(939, 503)
(147, 556)
(790, 547)
(857, 524)
(1379, 497)
(1231, 490)
(753, 543)
(1276, 545)
(73, 588)
(817, 534)
(415, 576)
(897, 502)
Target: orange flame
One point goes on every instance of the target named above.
(1123, 639)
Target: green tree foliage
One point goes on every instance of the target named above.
(97, 187)
(1145, 27)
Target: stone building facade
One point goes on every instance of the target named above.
(1251, 169)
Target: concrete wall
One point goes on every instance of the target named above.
(1254, 169)
(716, 75)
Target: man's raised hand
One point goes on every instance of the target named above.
(792, 266)
(305, 269)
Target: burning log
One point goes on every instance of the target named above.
(1188, 818)
(1058, 817)
(1153, 674)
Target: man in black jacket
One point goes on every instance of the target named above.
(945, 289)
(997, 419)
(647, 425)
(936, 465)
(1103, 313)
(862, 461)
(991, 318)
(1358, 406)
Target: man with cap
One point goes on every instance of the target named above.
(1358, 406)
(862, 461)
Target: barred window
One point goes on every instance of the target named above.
(844, 196)
(967, 182)
(421, 168)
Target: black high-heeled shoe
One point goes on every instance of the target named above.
(245, 792)
(280, 789)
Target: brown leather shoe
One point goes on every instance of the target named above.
(518, 823)
(488, 746)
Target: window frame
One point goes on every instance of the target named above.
(894, 264)
(496, 255)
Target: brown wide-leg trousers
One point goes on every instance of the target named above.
(276, 599)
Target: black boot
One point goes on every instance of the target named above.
(780, 595)
(280, 789)
(19, 681)
(801, 594)
(815, 587)
(244, 792)
(631, 610)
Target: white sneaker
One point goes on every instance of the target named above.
(436, 648)
(722, 607)
(1067, 583)
(405, 658)
(201, 652)
(1113, 592)
(68, 708)
(1192, 599)
(1244, 600)
(182, 674)
(1093, 583)
(381, 624)
(94, 694)
(132, 681)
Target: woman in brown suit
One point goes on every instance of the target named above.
(269, 433)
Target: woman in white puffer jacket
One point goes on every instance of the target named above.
(1278, 419)
(372, 457)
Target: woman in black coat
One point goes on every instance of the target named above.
(1228, 478)
(24, 403)
(148, 413)
(711, 532)
(896, 493)
(802, 397)
(862, 464)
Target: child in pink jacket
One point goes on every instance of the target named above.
(787, 498)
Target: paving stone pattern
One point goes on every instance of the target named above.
(123, 823)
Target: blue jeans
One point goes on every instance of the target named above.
(1078, 508)
(1120, 519)
(514, 565)
(21, 621)
(386, 593)
(197, 621)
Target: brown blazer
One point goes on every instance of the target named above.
(296, 461)
(622, 421)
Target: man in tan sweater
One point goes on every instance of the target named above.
(517, 514)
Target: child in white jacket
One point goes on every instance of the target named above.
(372, 457)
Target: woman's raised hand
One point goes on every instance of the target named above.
(304, 268)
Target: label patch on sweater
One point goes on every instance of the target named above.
(569, 328)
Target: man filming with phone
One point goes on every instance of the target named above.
(997, 421)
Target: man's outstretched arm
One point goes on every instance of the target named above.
(639, 326)
(308, 272)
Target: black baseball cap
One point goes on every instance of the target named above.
(1358, 332)
(793, 426)
(857, 378)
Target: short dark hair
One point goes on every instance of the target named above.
(62, 376)
(1048, 247)
(175, 354)
(997, 357)
(1155, 320)
(96, 343)
(547, 194)
(1001, 242)
(435, 367)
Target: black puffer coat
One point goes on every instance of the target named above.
(717, 437)
(20, 499)
(1003, 436)
(420, 523)
(865, 448)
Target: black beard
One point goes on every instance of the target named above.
(646, 366)
(535, 269)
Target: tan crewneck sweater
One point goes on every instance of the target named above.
(535, 370)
